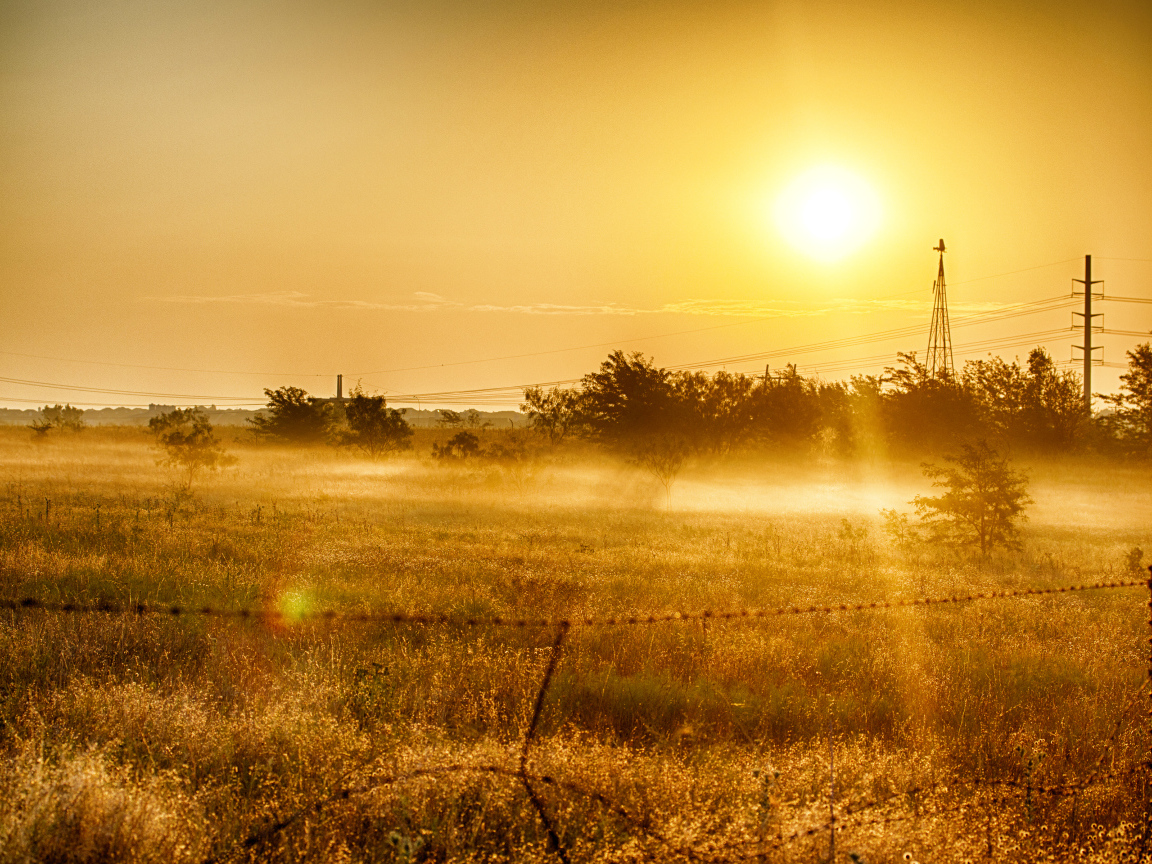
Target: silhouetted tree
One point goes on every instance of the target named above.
(1054, 412)
(627, 400)
(630, 404)
(292, 416)
(788, 409)
(718, 412)
(662, 456)
(1131, 419)
(461, 446)
(473, 420)
(62, 417)
(984, 501)
(922, 411)
(553, 412)
(372, 427)
(188, 441)
(449, 419)
(998, 390)
(1038, 407)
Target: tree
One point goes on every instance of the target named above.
(63, 417)
(554, 412)
(924, 411)
(788, 408)
(372, 426)
(292, 416)
(1039, 406)
(460, 446)
(1054, 412)
(627, 400)
(663, 457)
(188, 441)
(449, 419)
(716, 413)
(473, 420)
(984, 501)
(1131, 420)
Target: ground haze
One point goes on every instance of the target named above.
(1006, 728)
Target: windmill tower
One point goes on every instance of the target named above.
(940, 362)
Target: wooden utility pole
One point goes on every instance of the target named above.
(1088, 347)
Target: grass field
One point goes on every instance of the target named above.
(1008, 729)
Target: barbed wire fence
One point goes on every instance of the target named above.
(849, 814)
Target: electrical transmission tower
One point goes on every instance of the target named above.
(940, 363)
(1088, 317)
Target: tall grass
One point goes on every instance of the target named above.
(155, 739)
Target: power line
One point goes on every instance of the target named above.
(1108, 332)
(489, 359)
(512, 394)
(77, 388)
(168, 368)
(493, 395)
(232, 406)
(964, 348)
(1019, 310)
(1014, 272)
(617, 342)
(505, 394)
(696, 330)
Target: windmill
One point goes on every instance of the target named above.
(940, 363)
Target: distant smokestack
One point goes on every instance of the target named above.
(339, 386)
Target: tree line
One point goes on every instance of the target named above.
(632, 405)
(658, 418)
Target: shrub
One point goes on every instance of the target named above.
(292, 416)
(984, 502)
(459, 447)
(188, 441)
(374, 428)
(63, 417)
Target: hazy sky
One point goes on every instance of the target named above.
(306, 188)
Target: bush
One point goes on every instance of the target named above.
(460, 446)
(63, 417)
(662, 457)
(984, 502)
(292, 416)
(188, 441)
(374, 428)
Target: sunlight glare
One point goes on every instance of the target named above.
(828, 212)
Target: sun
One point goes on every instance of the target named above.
(828, 212)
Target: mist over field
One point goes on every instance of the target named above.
(587, 432)
(1011, 725)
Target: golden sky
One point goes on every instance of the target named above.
(303, 188)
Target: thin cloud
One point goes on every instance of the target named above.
(426, 301)
(560, 309)
(299, 300)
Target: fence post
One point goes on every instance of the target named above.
(1148, 757)
(831, 793)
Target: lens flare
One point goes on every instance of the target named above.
(828, 213)
(294, 606)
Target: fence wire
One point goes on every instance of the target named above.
(385, 616)
(713, 853)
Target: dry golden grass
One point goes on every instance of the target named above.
(961, 731)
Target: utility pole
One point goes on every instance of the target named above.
(1088, 347)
